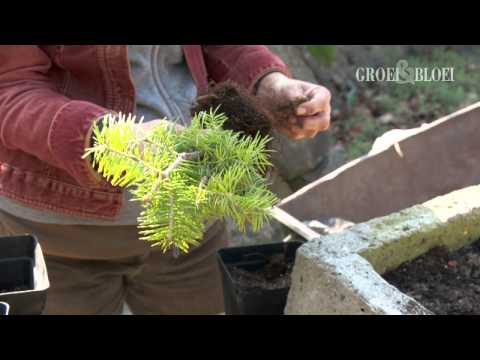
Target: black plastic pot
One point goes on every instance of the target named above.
(242, 300)
(4, 308)
(23, 275)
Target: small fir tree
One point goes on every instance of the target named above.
(187, 178)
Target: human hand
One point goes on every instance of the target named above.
(300, 109)
(145, 127)
(141, 131)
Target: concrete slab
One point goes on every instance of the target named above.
(340, 273)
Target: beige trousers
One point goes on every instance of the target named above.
(95, 269)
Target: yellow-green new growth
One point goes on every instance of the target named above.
(185, 179)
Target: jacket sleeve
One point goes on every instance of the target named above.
(243, 64)
(36, 119)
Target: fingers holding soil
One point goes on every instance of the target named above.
(318, 100)
(251, 115)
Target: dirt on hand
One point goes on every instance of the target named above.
(447, 283)
(286, 113)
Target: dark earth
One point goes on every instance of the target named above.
(244, 112)
(247, 113)
(274, 275)
(447, 283)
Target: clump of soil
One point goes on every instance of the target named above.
(247, 113)
(447, 283)
(244, 111)
(285, 114)
(274, 275)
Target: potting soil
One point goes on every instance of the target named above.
(245, 112)
(447, 283)
(275, 275)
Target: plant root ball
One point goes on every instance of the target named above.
(244, 111)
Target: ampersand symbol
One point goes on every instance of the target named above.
(405, 73)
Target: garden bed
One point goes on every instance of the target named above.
(430, 198)
(348, 272)
(445, 282)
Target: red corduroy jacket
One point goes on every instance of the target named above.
(51, 95)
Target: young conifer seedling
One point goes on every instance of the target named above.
(187, 178)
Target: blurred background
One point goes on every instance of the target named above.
(363, 111)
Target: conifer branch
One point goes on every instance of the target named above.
(129, 156)
(184, 179)
(178, 161)
(162, 175)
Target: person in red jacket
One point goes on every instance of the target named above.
(50, 97)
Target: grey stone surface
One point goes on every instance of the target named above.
(271, 232)
(297, 158)
(339, 273)
(337, 157)
(280, 186)
(292, 56)
(344, 286)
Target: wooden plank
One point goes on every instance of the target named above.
(293, 224)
